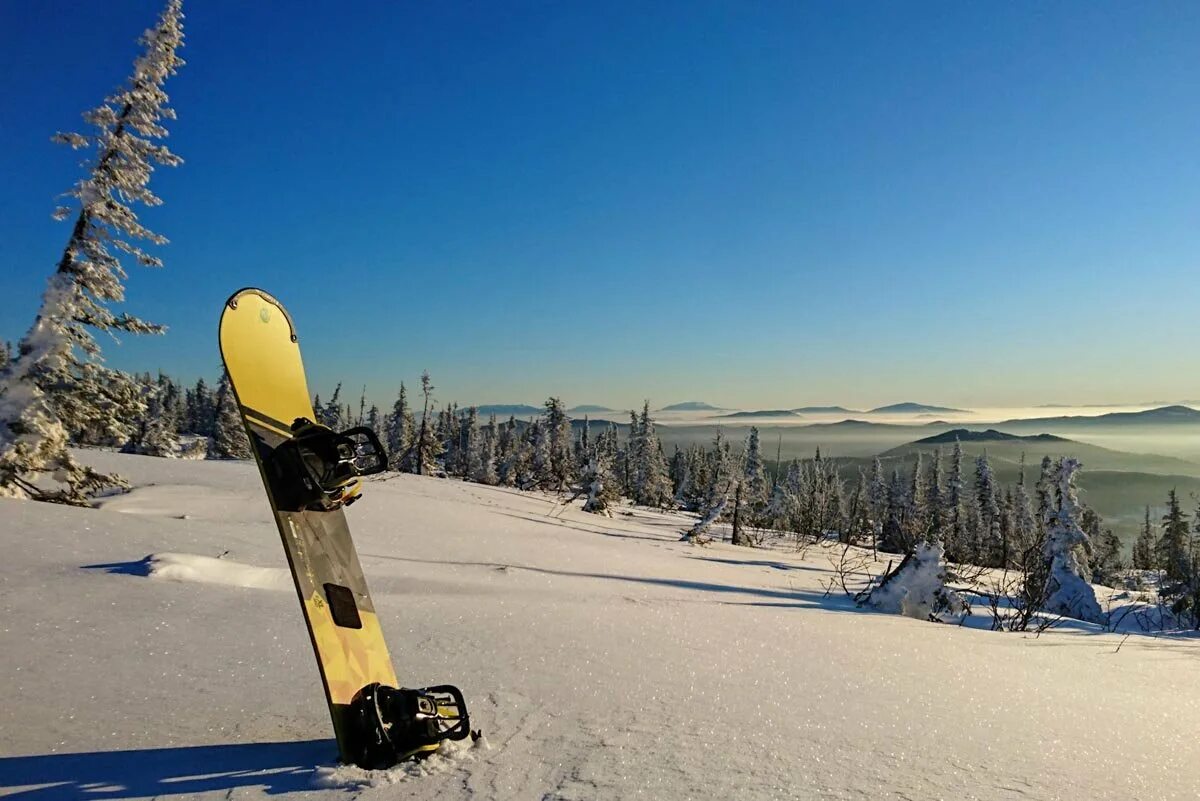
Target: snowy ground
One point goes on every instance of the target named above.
(602, 658)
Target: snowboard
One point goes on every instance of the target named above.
(261, 353)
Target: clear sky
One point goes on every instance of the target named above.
(753, 204)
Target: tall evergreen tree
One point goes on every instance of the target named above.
(1024, 525)
(399, 431)
(1067, 591)
(895, 539)
(958, 540)
(557, 428)
(598, 476)
(229, 434)
(1174, 547)
(1144, 546)
(993, 551)
(57, 383)
(422, 456)
(754, 493)
(332, 414)
(877, 500)
(650, 482)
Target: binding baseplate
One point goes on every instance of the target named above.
(391, 725)
(318, 468)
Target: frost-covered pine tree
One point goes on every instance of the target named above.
(719, 490)
(877, 496)
(473, 450)
(894, 539)
(598, 474)
(918, 502)
(156, 433)
(993, 551)
(422, 456)
(917, 588)
(56, 383)
(1143, 546)
(1067, 591)
(374, 421)
(485, 472)
(651, 482)
(331, 415)
(935, 523)
(1175, 548)
(398, 429)
(229, 434)
(1047, 500)
(557, 429)
(957, 538)
(1024, 525)
(754, 490)
(201, 409)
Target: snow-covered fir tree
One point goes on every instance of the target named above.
(1024, 525)
(917, 588)
(958, 538)
(1143, 546)
(1046, 492)
(1067, 591)
(473, 445)
(917, 524)
(598, 478)
(156, 431)
(556, 427)
(992, 551)
(877, 500)
(57, 383)
(229, 434)
(485, 471)
(399, 428)
(422, 457)
(894, 538)
(935, 522)
(754, 490)
(1174, 550)
(719, 491)
(650, 481)
(332, 414)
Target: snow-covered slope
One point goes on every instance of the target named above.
(601, 657)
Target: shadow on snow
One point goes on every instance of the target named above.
(274, 767)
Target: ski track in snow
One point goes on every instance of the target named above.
(601, 658)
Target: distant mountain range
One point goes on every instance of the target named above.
(508, 409)
(991, 435)
(825, 410)
(1003, 447)
(762, 413)
(586, 408)
(908, 407)
(1165, 415)
(691, 406)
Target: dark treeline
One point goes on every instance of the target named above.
(938, 497)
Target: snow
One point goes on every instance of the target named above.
(918, 590)
(603, 658)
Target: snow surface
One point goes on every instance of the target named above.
(602, 658)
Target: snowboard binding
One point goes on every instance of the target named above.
(318, 468)
(390, 725)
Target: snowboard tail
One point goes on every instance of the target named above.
(262, 356)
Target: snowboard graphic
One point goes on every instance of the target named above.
(262, 355)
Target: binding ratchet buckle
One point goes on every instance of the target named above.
(318, 468)
(389, 725)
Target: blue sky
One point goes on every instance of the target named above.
(755, 204)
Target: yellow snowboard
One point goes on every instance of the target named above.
(262, 356)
